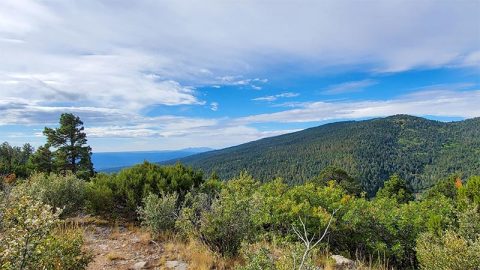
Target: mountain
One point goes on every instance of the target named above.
(114, 161)
(420, 150)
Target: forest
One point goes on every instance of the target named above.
(248, 221)
(421, 151)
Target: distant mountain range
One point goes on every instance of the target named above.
(115, 161)
(420, 150)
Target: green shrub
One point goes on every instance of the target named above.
(469, 223)
(470, 192)
(63, 192)
(99, 195)
(230, 220)
(450, 251)
(126, 190)
(158, 214)
(28, 239)
(64, 250)
(257, 259)
(189, 219)
(279, 255)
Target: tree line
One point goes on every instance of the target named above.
(65, 150)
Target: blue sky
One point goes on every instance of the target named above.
(156, 75)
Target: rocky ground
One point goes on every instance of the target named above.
(119, 247)
(128, 247)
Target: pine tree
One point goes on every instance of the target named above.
(71, 150)
(42, 160)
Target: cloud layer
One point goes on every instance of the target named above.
(110, 61)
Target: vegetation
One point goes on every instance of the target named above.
(30, 238)
(66, 193)
(246, 222)
(71, 154)
(14, 160)
(420, 151)
(159, 213)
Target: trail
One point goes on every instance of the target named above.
(122, 248)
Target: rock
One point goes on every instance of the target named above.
(177, 265)
(140, 265)
(343, 263)
(135, 240)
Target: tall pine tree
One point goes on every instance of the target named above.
(71, 150)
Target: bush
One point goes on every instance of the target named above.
(257, 259)
(28, 239)
(159, 213)
(230, 219)
(63, 250)
(470, 192)
(450, 251)
(127, 189)
(63, 192)
(279, 255)
(189, 219)
(99, 195)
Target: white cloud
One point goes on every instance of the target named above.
(275, 97)
(349, 87)
(423, 103)
(137, 54)
(109, 61)
(214, 106)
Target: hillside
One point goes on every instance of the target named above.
(418, 149)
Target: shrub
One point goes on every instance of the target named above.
(470, 192)
(28, 239)
(127, 189)
(469, 223)
(99, 195)
(230, 219)
(450, 251)
(189, 219)
(63, 192)
(257, 259)
(279, 255)
(63, 250)
(159, 213)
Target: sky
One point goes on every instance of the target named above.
(163, 75)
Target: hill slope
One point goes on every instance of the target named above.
(420, 150)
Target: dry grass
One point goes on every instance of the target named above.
(195, 254)
(113, 256)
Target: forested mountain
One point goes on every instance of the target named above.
(421, 151)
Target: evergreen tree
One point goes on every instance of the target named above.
(396, 188)
(70, 141)
(42, 160)
(13, 159)
(341, 177)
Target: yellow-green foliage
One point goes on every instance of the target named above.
(64, 192)
(28, 239)
(449, 251)
(230, 219)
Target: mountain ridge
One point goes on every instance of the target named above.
(418, 149)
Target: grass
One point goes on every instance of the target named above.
(113, 256)
(193, 253)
